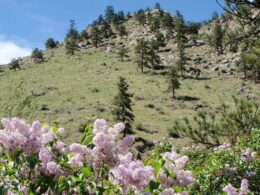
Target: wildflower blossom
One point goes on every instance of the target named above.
(18, 135)
(248, 155)
(132, 173)
(230, 190)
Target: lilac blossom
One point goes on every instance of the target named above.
(230, 190)
(131, 173)
(18, 135)
(248, 155)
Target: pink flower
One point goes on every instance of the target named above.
(17, 135)
(77, 160)
(230, 190)
(80, 149)
(45, 156)
(133, 174)
(53, 168)
(248, 155)
(244, 187)
(61, 131)
(168, 191)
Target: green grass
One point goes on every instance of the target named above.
(81, 87)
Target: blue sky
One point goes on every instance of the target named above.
(26, 24)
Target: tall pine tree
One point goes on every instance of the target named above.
(173, 80)
(141, 52)
(180, 28)
(123, 106)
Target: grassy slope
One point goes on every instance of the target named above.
(71, 85)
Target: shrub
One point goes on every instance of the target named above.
(50, 43)
(37, 56)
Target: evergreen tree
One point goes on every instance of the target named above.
(152, 54)
(182, 61)
(123, 106)
(173, 80)
(118, 18)
(160, 39)
(180, 28)
(155, 25)
(251, 62)
(215, 16)
(72, 39)
(157, 6)
(100, 20)
(122, 52)
(122, 30)
(141, 52)
(37, 56)
(71, 46)
(109, 13)
(72, 32)
(218, 37)
(84, 35)
(95, 36)
(167, 23)
(15, 64)
(105, 30)
(50, 43)
(140, 17)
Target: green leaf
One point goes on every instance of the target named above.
(153, 186)
(86, 171)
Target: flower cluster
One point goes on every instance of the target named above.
(48, 167)
(18, 135)
(131, 173)
(248, 155)
(224, 146)
(107, 145)
(230, 190)
(175, 163)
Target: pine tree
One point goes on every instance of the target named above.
(123, 106)
(141, 52)
(72, 32)
(174, 83)
(167, 23)
(84, 35)
(50, 43)
(215, 16)
(182, 61)
(109, 13)
(72, 39)
(95, 36)
(251, 62)
(105, 30)
(140, 17)
(152, 54)
(157, 6)
(155, 24)
(160, 39)
(37, 56)
(15, 64)
(71, 46)
(122, 30)
(218, 37)
(181, 40)
(122, 52)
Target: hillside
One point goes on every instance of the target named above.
(73, 89)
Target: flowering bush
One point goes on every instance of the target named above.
(33, 160)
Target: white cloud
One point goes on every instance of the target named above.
(10, 50)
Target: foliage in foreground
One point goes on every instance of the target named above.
(214, 128)
(33, 160)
